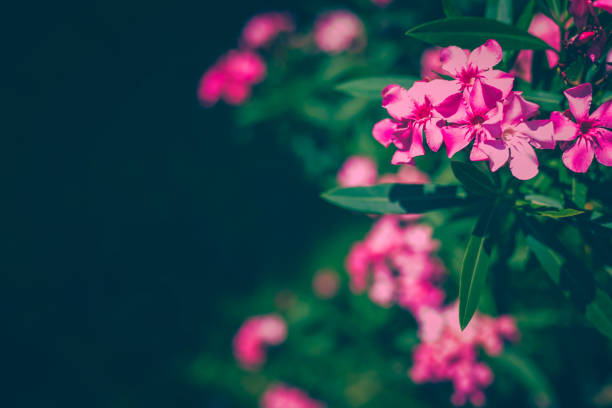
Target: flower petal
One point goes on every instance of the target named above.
(453, 59)
(383, 132)
(433, 134)
(497, 152)
(565, 130)
(499, 80)
(604, 4)
(402, 157)
(487, 55)
(603, 114)
(579, 98)
(397, 101)
(456, 138)
(452, 107)
(478, 99)
(523, 160)
(540, 133)
(603, 151)
(579, 156)
(517, 109)
(477, 155)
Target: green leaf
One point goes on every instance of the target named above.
(450, 8)
(471, 32)
(579, 193)
(372, 87)
(544, 201)
(548, 101)
(396, 198)
(563, 213)
(526, 16)
(500, 10)
(597, 306)
(475, 181)
(475, 267)
(555, 9)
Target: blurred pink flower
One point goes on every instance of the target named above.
(326, 283)
(431, 63)
(448, 354)
(548, 31)
(357, 171)
(231, 78)
(282, 396)
(337, 31)
(263, 28)
(255, 334)
(406, 175)
(589, 133)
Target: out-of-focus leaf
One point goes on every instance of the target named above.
(602, 220)
(548, 101)
(471, 32)
(474, 181)
(396, 198)
(544, 201)
(450, 8)
(475, 267)
(500, 10)
(579, 193)
(372, 87)
(555, 9)
(527, 372)
(597, 306)
(526, 16)
(563, 213)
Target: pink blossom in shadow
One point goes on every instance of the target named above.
(231, 78)
(412, 114)
(519, 137)
(470, 70)
(282, 396)
(253, 337)
(548, 31)
(263, 28)
(581, 9)
(448, 354)
(587, 136)
(337, 31)
(326, 283)
(357, 171)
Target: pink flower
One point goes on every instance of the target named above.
(282, 396)
(326, 283)
(518, 138)
(254, 335)
(357, 171)
(581, 9)
(231, 78)
(431, 63)
(448, 354)
(470, 70)
(476, 121)
(337, 31)
(263, 28)
(413, 114)
(548, 31)
(588, 133)
(406, 175)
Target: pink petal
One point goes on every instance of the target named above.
(402, 157)
(440, 89)
(453, 59)
(517, 109)
(604, 4)
(603, 151)
(565, 130)
(397, 101)
(498, 79)
(522, 65)
(579, 98)
(383, 131)
(451, 106)
(477, 155)
(496, 151)
(547, 30)
(578, 157)
(487, 55)
(523, 161)
(433, 133)
(540, 133)
(603, 114)
(552, 57)
(416, 141)
(478, 100)
(456, 138)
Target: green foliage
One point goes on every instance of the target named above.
(371, 87)
(450, 8)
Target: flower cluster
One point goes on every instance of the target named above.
(283, 396)
(448, 354)
(263, 28)
(337, 31)
(253, 337)
(478, 107)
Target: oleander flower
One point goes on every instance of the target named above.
(357, 171)
(325, 283)
(282, 396)
(518, 138)
(263, 28)
(588, 135)
(337, 31)
(254, 336)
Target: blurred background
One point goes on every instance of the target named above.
(146, 227)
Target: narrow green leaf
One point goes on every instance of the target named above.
(526, 16)
(475, 181)
(450, 8)
(563, 213)
(544, 201)
(500, 10)
(396, 198)
(555, 9)
(471, 32)
(371, 87)
(475, 267)
(548, 101)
